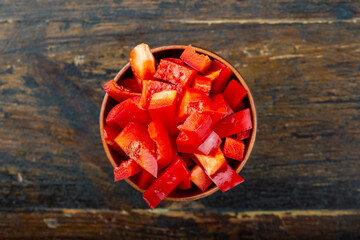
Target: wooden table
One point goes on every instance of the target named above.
(301, 61)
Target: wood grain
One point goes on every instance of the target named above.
(300, 59)
(172, 224)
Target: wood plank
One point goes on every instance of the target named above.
(173, 224)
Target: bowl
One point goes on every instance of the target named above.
(175, 51)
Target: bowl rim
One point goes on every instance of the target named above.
(239, 78)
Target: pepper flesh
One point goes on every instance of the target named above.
(233, 124)
(126, 169)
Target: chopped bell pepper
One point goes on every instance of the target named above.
(213, 162)
(193, 101)
(243, 135)
(234, 94)
(130, 83)
(160, 136)
(211, 143)
(118, 92)
(130, 111)
(213, 75)
(219, 84)
(135, 141)
(162, 107)
(221, 108)
(110, 118)
(167, 182)
(175, 73)
(226, 178)
(199, 62)
(235, 123)
(185, 183)
(186, 145)
(145, 179)
(126, 169)
(234, 149)
(200, 178)
(142, 63)
(175, 60)
(197, 126)
(202, 83)
(109, 136)
(150, 87)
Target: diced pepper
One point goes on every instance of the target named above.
(130, 111)
(130, 83)
(187, 159)
(167, 182)
(110, 118)
(193, 101)
(150, 87)
(109, 136)
(186, 145)
(145, 179)
(226, 178)
(162, 107)
(185, 183)
(142, 63)
(200, 178)
(221, 108)
(213, 162)
(234, 94)
(175, 60)
(234, 149)
(219, 84)
(126, 169)
(211, 143)
(243, 135)
(175, 73)
(160, 136)
(135, 140)
(202, 83)
(213, 75)
(197, 126)
(235, 123)
(199, 62)
(118, 92)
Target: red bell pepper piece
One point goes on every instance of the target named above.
(129, 111)
(160, 136)
(199, 62)
(145, 179)
(193, 101)
(187, 159)
(175, 73)
(150, 87)
(234, 94)
(109, 136)
(226, 178)
(110, 118)
(167, 182)
(243, 135)
(130, 83)
(202, 83)
(213, 75)
(126, 169)
(135, 141)
(175, 60)
(162, 107)
(185, 183)
(118, 92)
(213, 162)
(234, 149)
(235, 123)
(200, 178)
(221, 108)
(219, 84)
(185, 145)
(142, 63)
(197, 126)
(211, 143)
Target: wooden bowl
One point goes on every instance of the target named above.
(175, 51)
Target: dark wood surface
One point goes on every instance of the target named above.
(300, 59)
